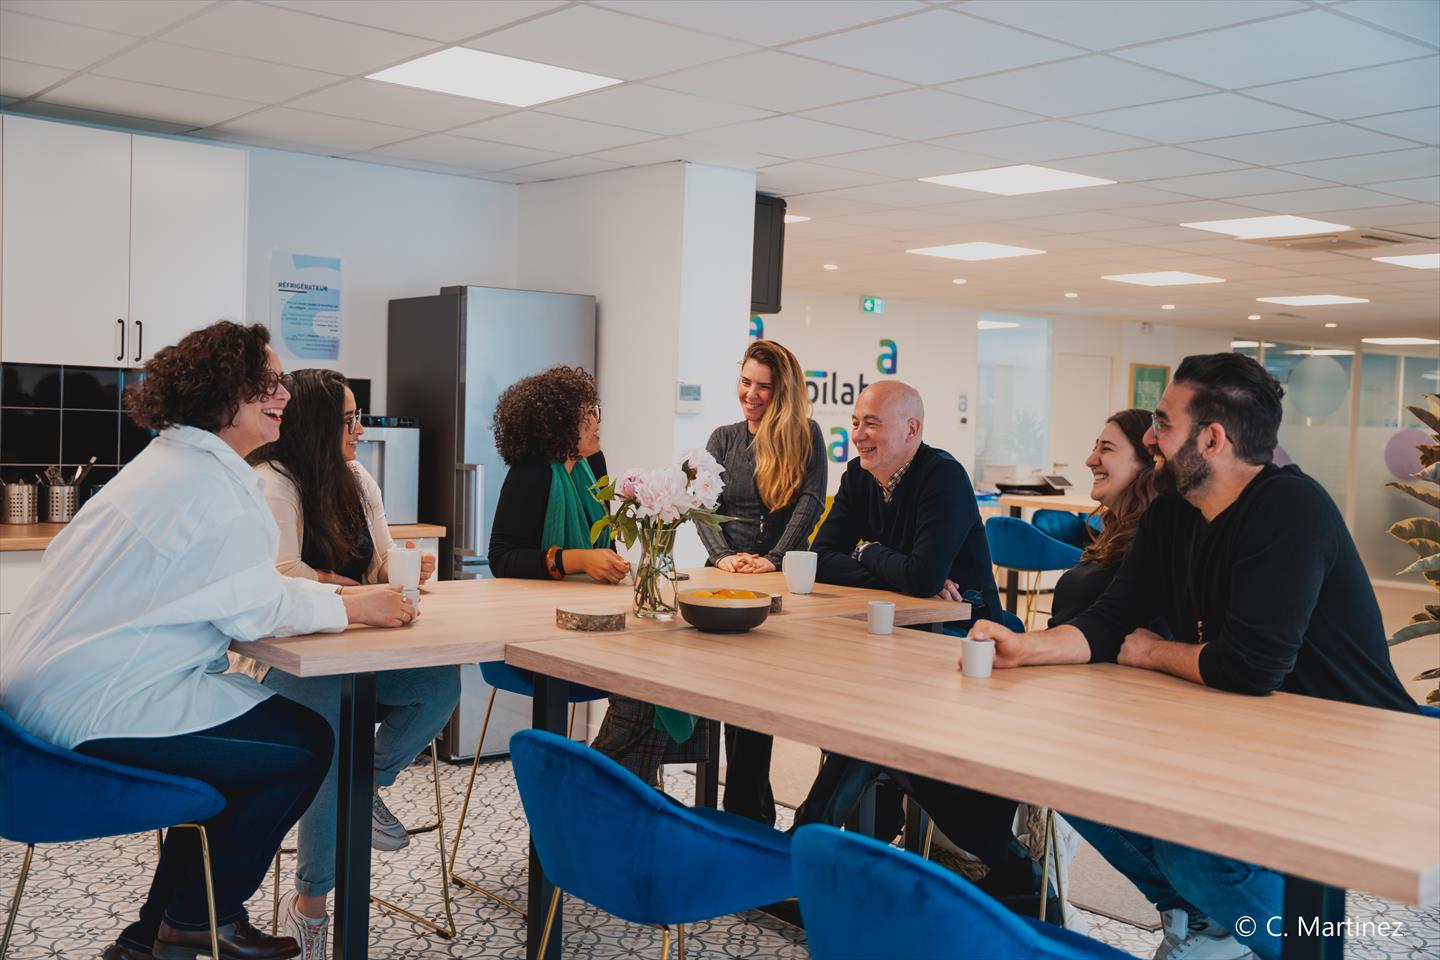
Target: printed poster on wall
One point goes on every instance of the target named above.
(305, 304)
(1147, 382)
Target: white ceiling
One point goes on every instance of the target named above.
(1200, 109)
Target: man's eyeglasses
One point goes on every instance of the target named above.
(271, 383)
(352, 420)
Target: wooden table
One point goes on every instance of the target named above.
(471, 621)
(1017, 502)
(1330, 794)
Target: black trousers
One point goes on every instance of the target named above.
(267, 763)
(977, 822)
(747, 774)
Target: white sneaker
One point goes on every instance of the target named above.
(314, 938)
(386, 830)
(1202, 940)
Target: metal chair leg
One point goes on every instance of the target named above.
(275, 897)
(1052, 840)
(15, 903)
(929, 838)
(449, 929)
(680, 940)
(665, 943)
(209, 885)
(465, 809)
(159, 843)
(1045, 872)
(549, 922)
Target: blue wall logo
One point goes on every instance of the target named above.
(757, 327)
(826, 389)
(889, 359)
(839, 447)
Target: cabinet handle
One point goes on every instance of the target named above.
(120, 355)
(139, 340)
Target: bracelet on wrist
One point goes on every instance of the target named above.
(550, 567)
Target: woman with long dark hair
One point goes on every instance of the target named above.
(118, 651)
(333, 529)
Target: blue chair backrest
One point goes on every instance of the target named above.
(1429, 711)
(502, 676)
(606, 836)
(52, 795)
(865, 900)
(1064, 526)
(1017, 545)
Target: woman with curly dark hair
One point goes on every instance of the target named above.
(119, 651)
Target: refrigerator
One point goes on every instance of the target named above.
(449, 358)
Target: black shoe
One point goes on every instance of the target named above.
(118, 951)
(1016, 884)
(238, 941)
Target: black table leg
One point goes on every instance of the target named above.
(1012, 579)
(707, 772)
(548, 713)
(1314, 921)
(352, 846)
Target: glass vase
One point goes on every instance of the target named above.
(655, 573)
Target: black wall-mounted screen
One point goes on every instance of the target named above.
(769, 262)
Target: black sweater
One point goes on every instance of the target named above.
(515, 547)
(1273, 586)
(928, 533)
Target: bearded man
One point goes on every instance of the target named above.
(1253, 568)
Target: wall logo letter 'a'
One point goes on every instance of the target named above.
(889, 359)
(840, 446)
(757, 327)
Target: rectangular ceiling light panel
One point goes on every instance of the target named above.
(975, 251)
(490, 76)
(1163, 278)
(1259, 228)
(1313, 300)
(1016, 180)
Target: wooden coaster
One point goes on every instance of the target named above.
(594, 619)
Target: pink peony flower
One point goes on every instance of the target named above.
(662, 494)
(626, 486)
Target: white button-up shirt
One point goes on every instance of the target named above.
(125, 631)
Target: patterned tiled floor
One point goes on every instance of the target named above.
(80, 895)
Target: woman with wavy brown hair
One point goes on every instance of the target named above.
(774, 460)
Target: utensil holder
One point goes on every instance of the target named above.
(21, 503)
(61, 503)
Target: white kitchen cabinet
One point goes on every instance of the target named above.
(66, 243)
(187, 240)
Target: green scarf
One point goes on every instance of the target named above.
(572, 510)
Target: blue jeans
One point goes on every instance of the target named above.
(420, 702)
(1204, 885)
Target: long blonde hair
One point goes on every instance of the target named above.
(782, 441)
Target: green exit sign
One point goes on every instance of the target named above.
(872, 305)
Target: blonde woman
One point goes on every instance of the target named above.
(774, 462)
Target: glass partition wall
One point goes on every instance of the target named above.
(1013, 407)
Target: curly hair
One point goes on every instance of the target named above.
(537, 418)
(202, 380)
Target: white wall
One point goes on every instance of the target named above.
(935, 352)
(398, 233)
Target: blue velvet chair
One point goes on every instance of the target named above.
(1017, 545)
(1429, 711)
(635, 853)
(52, 795)
(865, 900)
(1067, 527)
(501, 676)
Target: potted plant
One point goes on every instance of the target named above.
(1423, 534)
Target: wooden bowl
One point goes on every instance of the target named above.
(724, 610)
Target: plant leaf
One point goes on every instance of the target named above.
(1428, 454)
(1432, 674)
(1426, 417)
(1422, 617)
(1416, 529)
(1417, 491)
(1433, 609)
(1422, 565)
(1413, 630)
(598, 527)
(1432, 699)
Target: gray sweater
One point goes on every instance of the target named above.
(756, 529)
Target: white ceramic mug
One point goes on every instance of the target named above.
(977, 657)
(403, 566)
(881, 617)
(799, 567)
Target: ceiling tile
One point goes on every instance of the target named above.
(788, 178)
(938, 45)
(52, 44)
(1419, 125)
(1418, 20)
(27, 79)
(1193, 211)
(920, 115)
(566, 167)
(147, 100)
(693, 151)
(902, 193)
(1357, 93)
(394, 104)
(1424, 189)
(1199, 118)
(824, 230)
(1107, 24)
(60, 111)
(1086, 85)
(337, 134)
(1306, 202)
(765, 22)
(778, 81)
(824, 205)
(1035, 142)
(465, 152)
(138, 18)
(641, 107)
(1286, 48)
(283, 36)
(205, 71)
(1112, 196)
(410, 164)
(1388, 216)
(794, 138)
(545, 131)
(912, 160)
(443, 20)
(1237, 183)
(1087, 222)
(1318, 142)
(899, 219)
(1373, 168)
(608, 43)
(998, 208)
(1148, 163)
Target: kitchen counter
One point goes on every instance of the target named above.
(37, 536)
